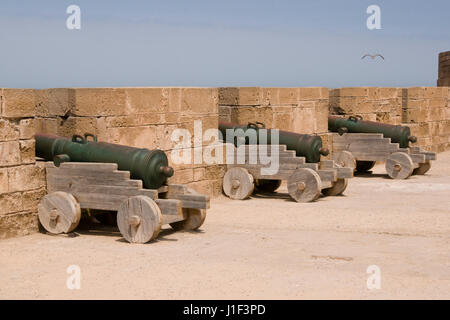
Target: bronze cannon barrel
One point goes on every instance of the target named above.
(304, 145)
(398, 134)
(150, 166)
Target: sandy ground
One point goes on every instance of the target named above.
(261, 248)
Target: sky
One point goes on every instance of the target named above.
(210, 43)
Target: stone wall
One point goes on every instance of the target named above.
(22, 182)
(301, 110)
(424, 109)
(139, 117)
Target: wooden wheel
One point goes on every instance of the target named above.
(364, 166)
(304, 185)
(345, 159)
(59, 212)
(338, 188)
(399, 165)
(238, 183)
(194, 220)
(267, 185)
(423, 168)
(139, 219)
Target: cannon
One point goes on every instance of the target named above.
(103, 178)
(358, 144)
(355, 124)
(304, 145)
(299, 164)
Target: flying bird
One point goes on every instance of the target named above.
(373, 56)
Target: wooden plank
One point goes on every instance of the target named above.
(169, 206)
(314, 166)
(89, 166)
(327, 175)
(327, 164)
(82, 173)
(418, 158)
(344, 173)
(58, 179)
(281, 166)
(358, 136)
(166, 219)
(177, 188)
(382, 156)
(326, 184)
(77, 187)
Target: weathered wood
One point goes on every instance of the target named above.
(59, 212)
(337, 188)
(304, 185)
(423, 168)
(139, 219)
(345, 159)
(238, 183)
(90, 166)
(344, 173)
(194, 218)
(76, 188)
(169, 206)
(399, 165)
(54, 178)
(327, 175)
(355, 136)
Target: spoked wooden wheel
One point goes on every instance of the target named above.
(194, 220)
(338, 188)
(364, 166)
(304, 185)
(267, 185)
(139, 219)
(238, 183)
(59, 212)
(423, 168)
(345, 159)
(399, 165)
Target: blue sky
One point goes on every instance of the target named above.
(221, 43)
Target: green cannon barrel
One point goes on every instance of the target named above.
(304, 145)
(150, 166)
(398, 134)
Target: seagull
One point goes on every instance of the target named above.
(373, 56)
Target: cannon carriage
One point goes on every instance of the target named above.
(141, 211)
(359, 144)
(299, 164)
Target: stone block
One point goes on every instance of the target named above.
(17, 103)
(26, 177)
(8, 130)
(9, 153)
(27, 151)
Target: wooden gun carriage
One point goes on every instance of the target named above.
(140, 212)
(305, 181)
(360, 151)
